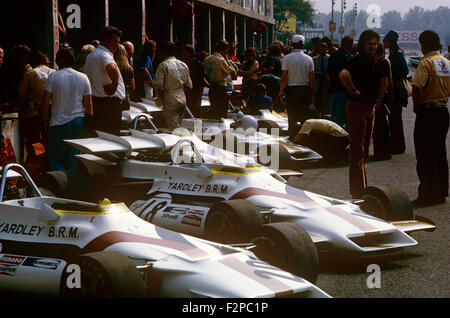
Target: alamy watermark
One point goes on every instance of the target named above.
(374, 279)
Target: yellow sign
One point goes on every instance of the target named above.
(332, 26)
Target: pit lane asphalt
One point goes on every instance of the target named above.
(419, 271)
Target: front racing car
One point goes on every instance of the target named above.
(120, 255)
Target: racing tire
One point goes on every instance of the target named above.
(274, 151)
(234, 221)
(104, 275)
(387, 203)
(289, 247)
(68, 184)
(268, 125)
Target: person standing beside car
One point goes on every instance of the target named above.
(108, 88)
(171, 81)
(431, 90)
(298, 79)
(399, 98)
(71, 93)
(367, 90)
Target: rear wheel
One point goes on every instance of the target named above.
(68, 184)
(104, 275)
(387, 203)
(288, 247)
(269, 127)
(234, 221)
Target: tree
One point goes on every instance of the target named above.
(285, 9)
(391, 20)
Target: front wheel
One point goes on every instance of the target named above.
(288, 247)
(387, 203)
(104, 275)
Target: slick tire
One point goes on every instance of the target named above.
(103, 275)
(269, 127)
(289, 247)
(274, 156)
(68, 184)
(231, 222)
(387, 203)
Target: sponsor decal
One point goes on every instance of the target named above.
(21, 229)
(198, 188)
(7, 270)
(192, 220)
(63, 232)
(42, 263)
(169, 216)
(11, 259)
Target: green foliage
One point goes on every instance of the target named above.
(285, 9)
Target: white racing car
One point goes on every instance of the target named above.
(228, 203)
(240, 135)
(43, 240)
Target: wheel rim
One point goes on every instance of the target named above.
(267, 250)
(221, 227)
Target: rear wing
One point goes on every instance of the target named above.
(107, 143)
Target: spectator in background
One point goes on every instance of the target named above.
(217, 68)
(321, 83)
(149, 56)
(259, 99)
(248, 70)
(70, 91)
(2, 56)
(137, 64)
(400, 72)
(281, 46)
(272, 63)
(127, 72)
(315, 47)
(201, 56)
(81, 59)
(108, 88)
(15, 73)
(431, 89)
(31, 92)
(330, 46)
(272, 84)
(171, 81)
(381, 131)
(194, 96)
(338, 94)
(298, 79)
(366, 93)
(232, 55)
(95, 43)
(287, 50)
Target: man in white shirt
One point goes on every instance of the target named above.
(172, 79)
(108, 88)
(71, 94)
(298, 79)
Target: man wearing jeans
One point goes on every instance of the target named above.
(298, 79)
(71, 94)
(108, 88)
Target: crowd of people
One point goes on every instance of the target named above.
(353, 86)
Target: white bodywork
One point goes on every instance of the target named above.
(205, 129)
(34, 252)
(181, 196)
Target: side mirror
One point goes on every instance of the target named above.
(204, 172)
(47, 214)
